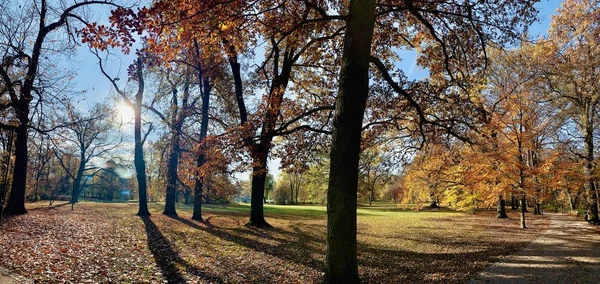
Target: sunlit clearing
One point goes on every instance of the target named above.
(126, 113)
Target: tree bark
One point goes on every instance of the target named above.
(523, 210)
(199, 186)
(77, 182)
(138, 158)
(588, 168)
(341, 264)
(538, 208)
(16, 201)
(514, 202)
(186, 196)
(172, 165)
(501, 210)
(434, 204)
(259, 178)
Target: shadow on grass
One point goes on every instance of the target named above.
(378, 264)
(167, 258)
(44, 208)
(296, 249)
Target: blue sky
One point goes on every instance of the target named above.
(98, 88)
(89, 77)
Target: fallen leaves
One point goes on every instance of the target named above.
(108, 243)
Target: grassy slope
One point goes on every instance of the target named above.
(108, 243)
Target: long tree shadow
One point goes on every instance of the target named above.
(49, 207)
(166, 257)
(301, 255)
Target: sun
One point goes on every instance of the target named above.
(126, 113)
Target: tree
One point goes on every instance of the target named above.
(225, 31)
(374, 170)
(181, 105)
(341, 260)
(569, 60)
(454, 37)
(90, 136)
(20, 72)
(522, 123)
(136, 74)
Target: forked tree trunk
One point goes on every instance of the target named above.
(501, 210)
(341, 264)
(259, 171)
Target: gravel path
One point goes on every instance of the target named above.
(569, 252)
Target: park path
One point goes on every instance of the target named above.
(568, 252)
(6, 277)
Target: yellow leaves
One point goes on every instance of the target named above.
(224, 27)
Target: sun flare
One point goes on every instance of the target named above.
(126, 113)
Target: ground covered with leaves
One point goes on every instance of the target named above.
(99, 242)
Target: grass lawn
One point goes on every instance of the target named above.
(102, 242)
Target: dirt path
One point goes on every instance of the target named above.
(569, 252)
(8, 278)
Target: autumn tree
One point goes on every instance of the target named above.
(89, 135)
(453, 37)
(175, 93)
(375, 169)
(136, 75)
(569, 60)
(230, 28)
(25, 51)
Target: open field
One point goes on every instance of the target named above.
(107, 243)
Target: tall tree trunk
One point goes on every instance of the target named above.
(521, 173)
(501, 210)
(259, 171)
(537, 207)
(341, 264)
(571, 203)
(588, 169)
(77, 182)
(138, 157)
(172, 165)
(16, 201)
(199, 186)
(513, 202)
(259, 178)
(198, 190)
(523, 210)
(297, 192)
(186, 196)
